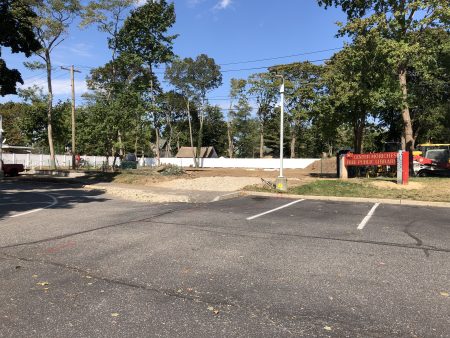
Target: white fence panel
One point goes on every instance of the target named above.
(65, 161)
(256, 163)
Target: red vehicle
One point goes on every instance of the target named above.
(12, 169)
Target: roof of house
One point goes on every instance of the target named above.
(205, 152)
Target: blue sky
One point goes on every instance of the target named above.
(230, 31)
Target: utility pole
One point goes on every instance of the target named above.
(72, 83)
(281, 181)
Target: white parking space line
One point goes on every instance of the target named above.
(54, 202)
(367, 218)
(269, 211)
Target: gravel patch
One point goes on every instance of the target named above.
(216, 183)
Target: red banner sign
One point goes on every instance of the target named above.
(371, 159)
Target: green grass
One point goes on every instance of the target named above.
(436, 189)
(428, 189)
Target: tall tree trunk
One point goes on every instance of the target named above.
(158, 155)
(50, 110)
(230, 141)
(190, 132)
(358, 133)
(261, 140)
(157, 145)
(200, 140)
(407, 123)
(121, 148)
(293, 142)
(169, 140)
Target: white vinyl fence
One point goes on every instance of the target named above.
(30, 161)
(257, 163)
(65, 161)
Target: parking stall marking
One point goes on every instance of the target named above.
(272, 210)
(368, 217)
(53, 203)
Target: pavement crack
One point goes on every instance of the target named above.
(256, 236)
(210, 300)
(147, 219)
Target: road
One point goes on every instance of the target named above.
(76, 263)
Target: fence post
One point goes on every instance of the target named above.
(343, 173)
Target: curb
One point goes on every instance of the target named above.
(228, 196)
(350, 199)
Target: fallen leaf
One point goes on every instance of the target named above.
(42, 283)
(35, 276)
(114, 314)
(88, 277)
(89, 283)
(210, 308)
(179, 291)
(328, 328)
(445, 294)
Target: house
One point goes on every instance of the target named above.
(205, 152)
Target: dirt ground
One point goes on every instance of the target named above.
(226, 179)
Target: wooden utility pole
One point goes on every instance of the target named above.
(72, 83)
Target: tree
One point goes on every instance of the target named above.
(144, 40)
(33, 120)
(243, 128)
(400, 24)
(16, 32)
(357, 85)
(194, 79)
(51, 25)
(214, 133)
(237, 89)
(265, 89)
(304, 90)
(13, 114)
(108, 15)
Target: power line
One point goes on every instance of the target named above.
(281, 57)
(251, 61)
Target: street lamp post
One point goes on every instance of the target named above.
(281, 181)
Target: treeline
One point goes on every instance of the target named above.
(390, 85)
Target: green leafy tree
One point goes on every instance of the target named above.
(51, 26)
(304, 89)
(13, 114)
(16, 33)
(357, 85)
(237, 89)
(144, 40)
(33, 120)
(400, 25)
(194, 79)
(264, 88)
(215, 130)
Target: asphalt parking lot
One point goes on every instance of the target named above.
(77, 263)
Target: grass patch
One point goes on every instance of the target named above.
(428, 189)
(435, 189)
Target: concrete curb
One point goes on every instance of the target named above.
(228, 196)
(350, 199)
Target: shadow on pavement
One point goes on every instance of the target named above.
(18, 197)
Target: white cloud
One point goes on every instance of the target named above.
(222, 4)
(59, 86)
(81, 49)
(193, 3)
